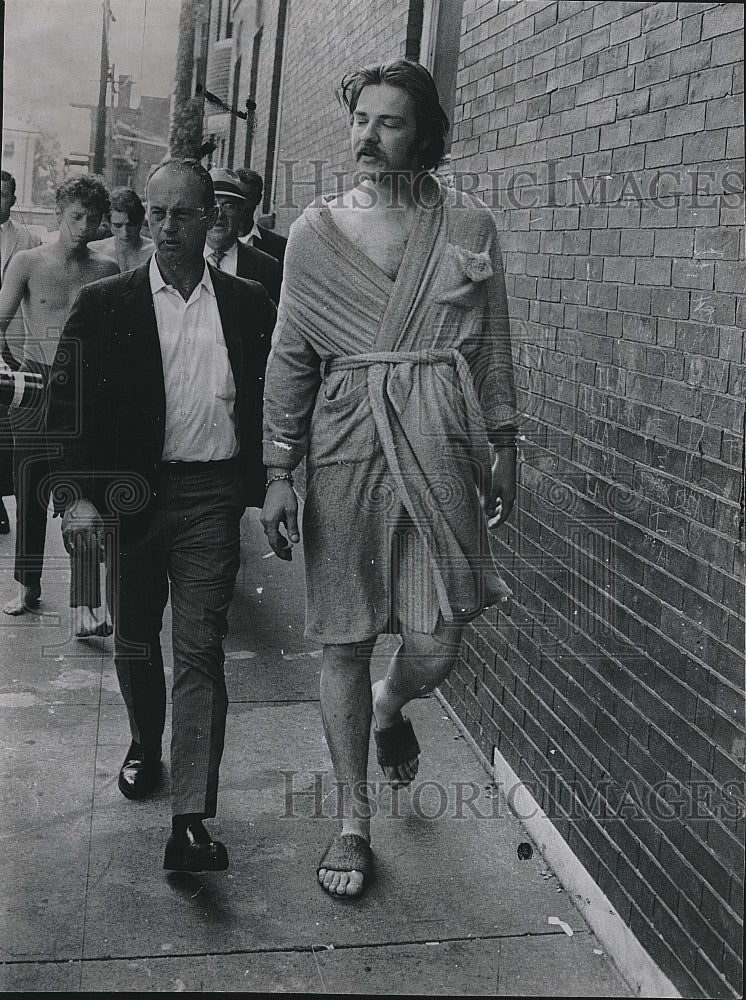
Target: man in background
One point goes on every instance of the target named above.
(44, 282)
(223, 249)
(250, 232)
(12, 239)
(126, 245)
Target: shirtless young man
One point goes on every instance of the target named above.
(127, 246)
(44, 282)
(399, 392)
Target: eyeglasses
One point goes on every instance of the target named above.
(180, 215)
(229, 206)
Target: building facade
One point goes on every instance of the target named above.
(19, 147)
(136, 138)
(607, 137)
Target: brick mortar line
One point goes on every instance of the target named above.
(537, 623)
(592, 559)
(609, 595)
(620, 516)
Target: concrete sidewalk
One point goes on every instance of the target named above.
(87, 906)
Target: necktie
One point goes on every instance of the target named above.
(217, 256)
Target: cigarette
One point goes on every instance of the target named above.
(268, 555)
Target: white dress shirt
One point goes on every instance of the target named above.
(251, 238)
(200, 389)
(229, 260)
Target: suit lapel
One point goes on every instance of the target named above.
(141, 330)
(228, 309)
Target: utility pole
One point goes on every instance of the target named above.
(99, 152)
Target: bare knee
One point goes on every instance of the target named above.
(348, 657)
(440, 649)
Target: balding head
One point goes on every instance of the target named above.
(187, 167)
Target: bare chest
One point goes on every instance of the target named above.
(52, 289)
(381, 237)
(129, 258)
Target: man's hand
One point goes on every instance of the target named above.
(501, 497)
(82, 526)
(281, 507)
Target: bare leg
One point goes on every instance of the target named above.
(89, 621)
(90, 616)
(26, 599)
(418, 666)
(346, 711)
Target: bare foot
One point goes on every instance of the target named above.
(402, 773)
(25, 600)
(91, 621)
(342, 883)
(350, 863)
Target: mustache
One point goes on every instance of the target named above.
(366, 150)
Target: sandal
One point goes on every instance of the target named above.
(347, 852)
(396, 745)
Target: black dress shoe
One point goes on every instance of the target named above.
(141, 771)
(191, 849)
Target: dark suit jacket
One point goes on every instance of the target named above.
(273, 244)
(107, 406)
(259, 266)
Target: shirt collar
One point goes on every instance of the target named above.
(157, 284)
(253, 235)
(231, 252)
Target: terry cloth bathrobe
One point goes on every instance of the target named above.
(392, 389)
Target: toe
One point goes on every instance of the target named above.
(355, 883)
(331, 881)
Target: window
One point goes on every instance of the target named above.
(200, 56)
(439, 50)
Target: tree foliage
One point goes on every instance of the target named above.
(48, 169)
(185, 133)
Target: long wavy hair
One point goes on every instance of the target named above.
(432, 121)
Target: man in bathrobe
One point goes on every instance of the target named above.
(391, 373)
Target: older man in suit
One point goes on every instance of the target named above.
(223, 249)
(12, 239)
(158, 391)
(250, 232)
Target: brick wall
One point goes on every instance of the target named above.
(608, 138)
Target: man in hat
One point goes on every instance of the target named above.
(224, 251)
(250, 232)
